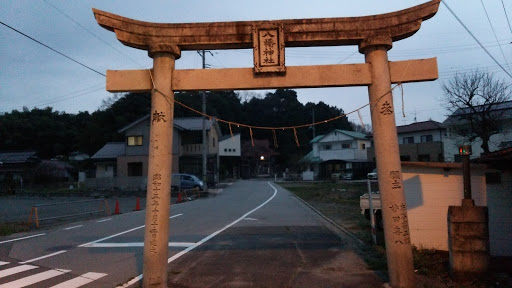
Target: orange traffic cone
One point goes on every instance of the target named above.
(137, 205)
(117, 208)
(179, 198)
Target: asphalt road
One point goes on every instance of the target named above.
(252, 234)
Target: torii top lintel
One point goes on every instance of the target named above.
(392, 26)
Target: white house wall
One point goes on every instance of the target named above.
(500, 219)
(429, 192)
(436, 136)
(343, 154)
(451, 145)
(336, 151)
(230, 146)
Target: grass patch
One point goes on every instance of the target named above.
(11, 228)
(340, 202)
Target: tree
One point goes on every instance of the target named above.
(475, 100)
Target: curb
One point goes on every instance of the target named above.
(338, 226)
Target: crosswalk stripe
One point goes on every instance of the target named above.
(80, 280)
(15, 270)
(3, 263)
(33, 279)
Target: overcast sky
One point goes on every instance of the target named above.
(34, 76)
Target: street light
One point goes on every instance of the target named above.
(262, 158)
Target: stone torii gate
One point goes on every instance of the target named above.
(374, 36)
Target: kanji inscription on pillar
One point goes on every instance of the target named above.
(268, 48)
(386, 109)
(155, 203)
(395, 179)
(400, 223)
(158, 117)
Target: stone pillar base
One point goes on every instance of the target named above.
(468, 240)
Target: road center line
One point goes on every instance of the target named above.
(73, 227)
(137, 244)
(43, 257)
(104, 220)
(185, 251)
(17, 239)
(120, 233)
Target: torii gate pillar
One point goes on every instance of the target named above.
(156, 241)
(394, 209)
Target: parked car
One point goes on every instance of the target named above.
(186, 181)
(373, 174)
(347, 175)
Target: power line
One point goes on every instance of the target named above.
(506, 16)
(62, 54)
(90, 32)
(493, 31)
(479, 43)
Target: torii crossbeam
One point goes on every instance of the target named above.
(374, 36)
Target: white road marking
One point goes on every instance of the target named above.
(250, 219)
(104, 220)
(137, 244)
(17, 239)
(3, 263)
(80, 280)
(121, 233)
(43, 257)
(73, 227)
(34, 279)
(16, 269)
(178, 255)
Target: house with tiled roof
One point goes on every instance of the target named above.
(106, 159)
(127, 161)
(338, 152)
(459, 130)
(419, 141)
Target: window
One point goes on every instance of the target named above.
(405, 158)
(345, 145)
(134, 140)
(424, 158)
(426, 138)
(326, 147)
(226, 150)
(408, 140)
(135, 169)
(363, 146)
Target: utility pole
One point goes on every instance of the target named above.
(205, 142)
(314, 132)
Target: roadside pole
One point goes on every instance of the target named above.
(372, 215)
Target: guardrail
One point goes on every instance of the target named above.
(34, 211)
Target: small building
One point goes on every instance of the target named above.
(105, 159)
(459, 132)
(498, 178)
(17, 168)
(420, 141)
(230, 151)
(339, 151)
(127, 161)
